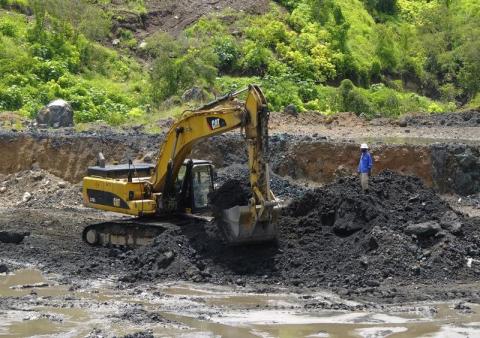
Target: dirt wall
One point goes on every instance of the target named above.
(324, 161)
(65, 155)
(450, 168)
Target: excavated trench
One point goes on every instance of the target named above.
(400, 243)
(450, 168)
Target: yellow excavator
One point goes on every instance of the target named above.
(175, 190)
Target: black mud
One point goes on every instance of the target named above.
(455, 168)
(282, 187)
(233, 192)
(334, 236)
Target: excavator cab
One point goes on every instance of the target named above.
(193, 184)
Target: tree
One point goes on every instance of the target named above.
(386, 49)
(321, 10)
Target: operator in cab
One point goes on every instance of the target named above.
(365, 167)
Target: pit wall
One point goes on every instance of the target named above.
(65, 155)
(448, 168)
(323, 162)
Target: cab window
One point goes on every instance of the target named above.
(180, 177)
(202, 185)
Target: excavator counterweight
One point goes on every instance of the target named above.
(177, 186)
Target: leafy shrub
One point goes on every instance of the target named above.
(228, 53)
(10, 98)
(281, 92)
(8, 27)
(174, 73)
(40, 62)
(356, 102)
(255, 58)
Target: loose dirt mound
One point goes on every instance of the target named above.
(462, 119)
(174, 16)
(38, 189)
(344, 119)
(401, 230)
(232, 193)
(281, 187)
(333, 236)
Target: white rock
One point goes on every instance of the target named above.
(26, 197)
(3, 189)
(59, 103)
(62, 185)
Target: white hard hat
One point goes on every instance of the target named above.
(364, 146)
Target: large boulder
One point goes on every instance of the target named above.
(56, 114)
(291, 109)
(12, 236)
(194, 94)
(425, 229)
(451, 222)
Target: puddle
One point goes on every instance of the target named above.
(32, 305)
(26, 281)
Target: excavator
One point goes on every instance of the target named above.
(175, 190)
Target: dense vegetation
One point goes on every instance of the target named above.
(368, 56)
(56, 55)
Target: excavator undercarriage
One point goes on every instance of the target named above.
(134, 232)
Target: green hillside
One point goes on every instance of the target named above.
(373, 57)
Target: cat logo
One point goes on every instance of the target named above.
(216, 122)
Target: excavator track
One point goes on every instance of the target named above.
(130, 233)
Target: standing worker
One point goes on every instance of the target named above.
(365, 167)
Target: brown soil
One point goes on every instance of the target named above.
(324, 161)
(66, 154)
(174, 16)
(348, 126)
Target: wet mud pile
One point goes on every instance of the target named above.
(400, 231)
(333, 236)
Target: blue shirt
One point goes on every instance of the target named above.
(366, 163)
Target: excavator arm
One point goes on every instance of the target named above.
(156, 194)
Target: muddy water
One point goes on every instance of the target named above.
(35, 305)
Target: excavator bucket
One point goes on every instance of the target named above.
(240, 226)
